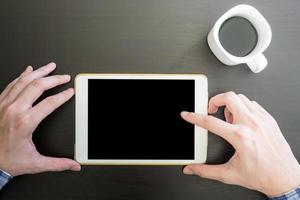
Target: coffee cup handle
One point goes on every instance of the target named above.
(258, 63)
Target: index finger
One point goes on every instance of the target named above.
(213, 124)
(35, 89)
(23, 81)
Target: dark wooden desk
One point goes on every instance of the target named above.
(147, 36)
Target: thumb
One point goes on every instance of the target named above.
(215, 172)
(59, 164)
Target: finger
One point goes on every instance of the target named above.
(260, 108)
(248, 103)
(27, 71)
(228, 116)
(25, 80)
(36, 88)
(57, 164)
(11, 84)
(230, 100)
(213, 124)
(48, 105)
(215, 172)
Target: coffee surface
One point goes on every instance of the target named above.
(238, 36)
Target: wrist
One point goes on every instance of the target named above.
(292, 194)
(276, 192)
(5, 166)
(4, 169)
(284, 184)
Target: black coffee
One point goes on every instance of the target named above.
(238, 36)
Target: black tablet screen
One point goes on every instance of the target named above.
(140, 119)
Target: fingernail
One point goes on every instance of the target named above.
(67, 77)
(29, 68)
(187, 171)
(52, 65)
(70, 90)
(184, 113)
(75, 168)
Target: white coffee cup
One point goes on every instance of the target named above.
(255, 59)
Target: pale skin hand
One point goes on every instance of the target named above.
(19, 119)
(263, 159)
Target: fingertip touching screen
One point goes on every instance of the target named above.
(134, 119)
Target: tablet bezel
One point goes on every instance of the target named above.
(81, 118)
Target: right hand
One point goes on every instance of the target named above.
(19, 118)
(263, 159)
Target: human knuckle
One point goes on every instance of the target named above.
(198, 171)
(252, 119)
(23, 120)
(23, 80)
(58, 78)
(245, 136)
(64, 94)
(248, 144)
(52, 100)
(207, 120)
(10, 84)
(242, 96)
(230, 95)
(270, 119)
(43, 69)
(254, 122)
(10, 110)
(241, 132)
(38, 83)
(256, 128)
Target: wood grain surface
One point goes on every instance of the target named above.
(146, 36)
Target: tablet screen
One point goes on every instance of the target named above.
(140, 119)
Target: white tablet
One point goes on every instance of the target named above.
(134, 119)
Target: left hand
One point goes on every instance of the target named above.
(19, 119)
